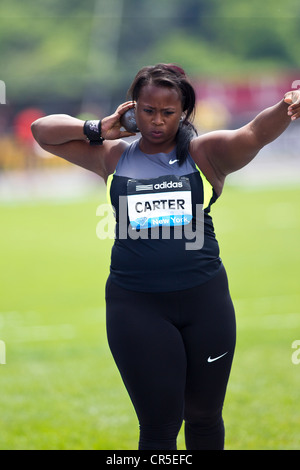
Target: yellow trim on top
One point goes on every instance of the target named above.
(108, 185)
(207, 189)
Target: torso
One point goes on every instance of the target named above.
(155, 189)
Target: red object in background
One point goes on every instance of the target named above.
(247, 95)
(22, 124)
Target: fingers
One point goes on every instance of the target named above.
(293, 99)
(294, 111)
(127, 134)
(124, 107)
(288, 97)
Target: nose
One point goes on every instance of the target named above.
(158, 119)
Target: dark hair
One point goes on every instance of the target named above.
(172, 76)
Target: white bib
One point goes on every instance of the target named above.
(163, 201)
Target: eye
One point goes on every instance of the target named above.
(168, 113)
(148, 111)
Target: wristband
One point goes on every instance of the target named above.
(92, 130)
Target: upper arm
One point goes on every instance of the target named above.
(227, 151)
(100, 159)
(231, 150)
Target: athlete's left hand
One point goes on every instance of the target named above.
(293, 99)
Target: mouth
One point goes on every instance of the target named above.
(156, 134)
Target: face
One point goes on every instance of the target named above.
(158, 112)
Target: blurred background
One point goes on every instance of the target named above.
(79, 58)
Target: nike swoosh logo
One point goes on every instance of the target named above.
(173, 161)
(210, 359)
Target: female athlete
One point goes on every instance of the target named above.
(170, 318)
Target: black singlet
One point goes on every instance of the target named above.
(165, 238)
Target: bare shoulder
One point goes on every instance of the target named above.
(225, 151)
(200, 150)
(111, 156)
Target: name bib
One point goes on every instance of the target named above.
(163, 201)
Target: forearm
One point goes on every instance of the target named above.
(270, 123)
(57, 129)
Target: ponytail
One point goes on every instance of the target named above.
(186, 132)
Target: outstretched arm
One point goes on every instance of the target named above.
(229, 151)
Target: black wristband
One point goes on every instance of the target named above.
(92, 130)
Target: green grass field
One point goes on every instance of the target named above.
(60, 388)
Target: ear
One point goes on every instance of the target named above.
(183, 117)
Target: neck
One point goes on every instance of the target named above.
(152, 148)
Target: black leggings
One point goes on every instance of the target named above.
(174, 351)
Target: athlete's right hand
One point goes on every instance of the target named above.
(293, 99)
(111, 125)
